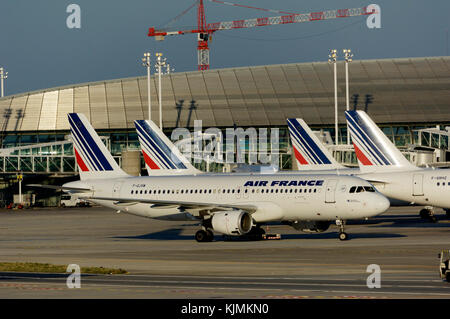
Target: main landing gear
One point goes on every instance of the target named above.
(427, 213)
(342, 234)
(203, 236)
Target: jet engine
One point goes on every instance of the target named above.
(234, 222)
(310, 226)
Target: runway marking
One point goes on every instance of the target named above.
(254, 283)
(264, 289)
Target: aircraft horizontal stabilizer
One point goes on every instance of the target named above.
(62, 188)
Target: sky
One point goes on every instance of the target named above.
(39, 51)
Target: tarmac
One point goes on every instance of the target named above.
(164, 261)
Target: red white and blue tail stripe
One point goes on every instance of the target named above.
(373, 149)
(309, 152)
(93, 158)
(161, 156)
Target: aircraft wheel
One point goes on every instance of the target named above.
(428, 215)
(424, 213)
(343, 236)
(201, 236)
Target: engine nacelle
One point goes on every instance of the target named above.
(311, 226)
(232, 223)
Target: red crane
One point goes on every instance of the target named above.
(205, 30)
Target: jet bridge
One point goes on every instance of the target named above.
(55, 158)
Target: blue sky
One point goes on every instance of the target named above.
(39, 51)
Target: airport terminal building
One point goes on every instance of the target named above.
(401, 95)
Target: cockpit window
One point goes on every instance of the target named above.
(360, 189)
(352, 189)
(369, 189)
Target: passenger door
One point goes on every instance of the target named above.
(330, 190)
(418, 185)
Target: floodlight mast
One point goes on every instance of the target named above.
(146, 63)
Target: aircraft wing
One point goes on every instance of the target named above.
(61, 188)
(172, 204)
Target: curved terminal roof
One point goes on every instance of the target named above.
(404, 90)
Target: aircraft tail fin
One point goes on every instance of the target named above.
(93, 158)
(161, 156)
(309, 152)
(372, 147)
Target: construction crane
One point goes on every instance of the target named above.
(205, 31)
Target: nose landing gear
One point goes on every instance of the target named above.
(428, 214)
(342, 234)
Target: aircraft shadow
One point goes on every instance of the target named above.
(167, 234)
(175, 234)
(406, 221)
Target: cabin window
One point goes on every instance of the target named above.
(276, 191)
(132, 192)
(315, 190)
(438, 184)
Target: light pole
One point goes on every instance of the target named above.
(3, 77)
(160, 63)
(146, 63)
(348, 58)
(333, 59)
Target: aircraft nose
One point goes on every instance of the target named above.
(382, 204)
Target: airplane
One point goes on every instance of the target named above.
(229, 204)
(391, 173)
(372, 154)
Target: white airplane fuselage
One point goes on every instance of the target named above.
(276, 197)
(421, 187)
